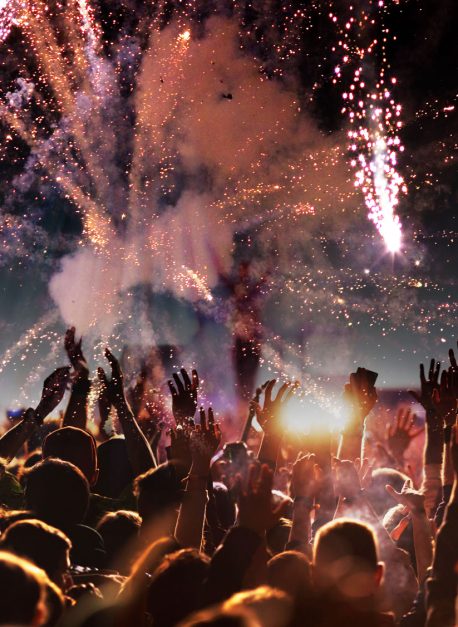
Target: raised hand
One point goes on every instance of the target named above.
(53, 392)
(136, 393)
(115, 386)
(427, 385)
(413, 501)
(75, 353)
(361, 396)
(184, 396)
(307, 477)
(401, 433)
(269, 414)
(103, 399)
(444, 398)
(205, 439)
(346, 479)
(256, 511)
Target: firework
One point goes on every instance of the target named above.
(375, 119)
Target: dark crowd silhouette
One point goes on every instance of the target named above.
(119, 513)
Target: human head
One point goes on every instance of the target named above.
(158, 491)
(75, 446)
(379, 498)
(45, 546)
(115, 470)
(119, 531)
(23, 591)
(290, 571)
(271, 607)
(345, 560)
(217, 617)
(147, 562)
(57, 492)
(185, 571)
(277, 537)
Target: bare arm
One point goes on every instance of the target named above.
(361, 397)
(269, 418)
(138, 449)
(443, 583)
(53, 391)
(305, 484)
(204, 442)
(14, 439)
(76, 412)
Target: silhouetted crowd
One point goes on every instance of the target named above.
(116, 514)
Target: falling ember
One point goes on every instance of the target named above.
(185, 36)
(375, 122)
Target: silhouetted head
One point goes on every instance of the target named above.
(115, 470)
(45, 546)
(271, 607)
(185, 571)
(277, 537)
(158, 491)
(57, 492)
(345, 560)
(120, 531)
(291, 572)
(217, 617)
(380, 500)
(23, 591)
(75, 446)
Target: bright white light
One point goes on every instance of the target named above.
(382, 214)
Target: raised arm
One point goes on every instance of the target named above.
(414, 504)
(241, 560)
(442, 586)
(204, 440)
(269, 417)
(53, 392)
(76, 412)
(434, 441)
(305, 486)
(138, 449)
(361, 396)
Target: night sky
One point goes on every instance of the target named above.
(146, 153)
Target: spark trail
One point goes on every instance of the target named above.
(374, 116)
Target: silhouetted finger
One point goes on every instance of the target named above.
(203, 419)
(422, 374)
(268, 390)
(195, 380)
(281, 392)
(452, 358)
(178, 383)
(172, 389)
(211, 417)
(186, 379)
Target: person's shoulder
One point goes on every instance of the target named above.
(385, 619)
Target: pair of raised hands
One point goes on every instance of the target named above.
(55, 385)
(57, 382)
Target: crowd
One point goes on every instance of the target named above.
(125, 530)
